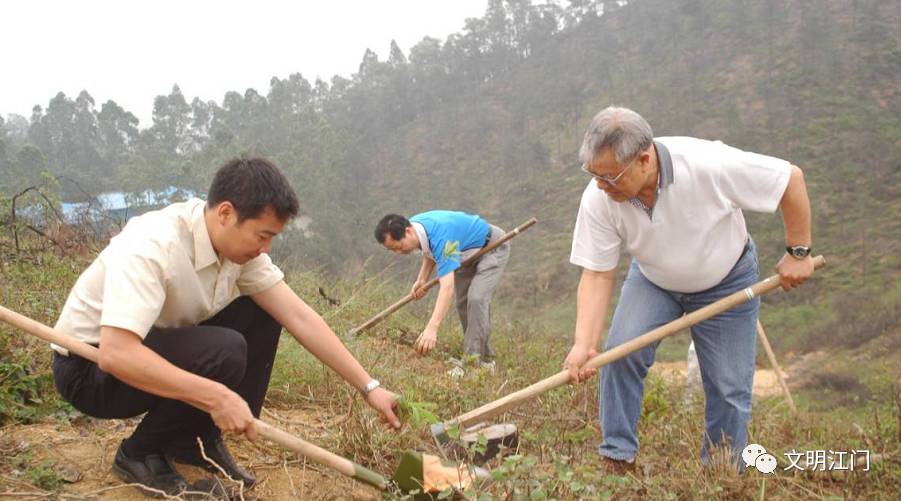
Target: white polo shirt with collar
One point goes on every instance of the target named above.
(696, 231)
(160, 271)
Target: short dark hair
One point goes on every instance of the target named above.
(252, 184)
(392, 224)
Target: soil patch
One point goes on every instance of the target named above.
(765, 382)
(74, 459)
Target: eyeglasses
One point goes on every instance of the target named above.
(611, 180)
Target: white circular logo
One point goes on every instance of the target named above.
(751, 452)
(766, 463)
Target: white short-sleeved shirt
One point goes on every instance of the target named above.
(160, 271)
(697, 230)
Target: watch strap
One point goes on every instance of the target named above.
(798, 251)
(370, 386)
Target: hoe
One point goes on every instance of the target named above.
(422, 471)
(471, 424)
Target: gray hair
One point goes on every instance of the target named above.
(621, 129)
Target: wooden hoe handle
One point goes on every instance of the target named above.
(500, 405)
(282, 438)
(431, 283)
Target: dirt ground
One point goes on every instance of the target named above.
(766, 383)
(80, 454)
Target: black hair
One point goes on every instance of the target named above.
(393, 225)
(251, 185)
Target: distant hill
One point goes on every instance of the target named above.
(491, 119)
(816, 83)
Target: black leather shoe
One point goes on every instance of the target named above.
(216, 451)
(152, 471)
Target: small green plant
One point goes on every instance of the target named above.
(20, 391)
(657, 399)
(44, 476)
(416, 413)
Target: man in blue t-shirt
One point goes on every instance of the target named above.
(446, 239)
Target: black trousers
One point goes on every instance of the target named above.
(236, 347)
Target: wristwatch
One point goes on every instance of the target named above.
(371, 385)
(798, 251)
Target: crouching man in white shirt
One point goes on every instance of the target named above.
(186, 308)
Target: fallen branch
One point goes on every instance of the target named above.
(48, 237)
(290, 480)
(142, 487)
(221, 470)
(25, 494)
(12, 210)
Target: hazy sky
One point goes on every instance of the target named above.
(132, 51)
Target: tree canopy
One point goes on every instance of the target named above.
(490, 119)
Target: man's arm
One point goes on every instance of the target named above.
(123, 354)
(795, 208)
(429, 337)
(592, 301)
(311, 331)
(425, 271)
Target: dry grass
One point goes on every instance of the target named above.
(559, 431)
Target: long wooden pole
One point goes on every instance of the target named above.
(431, 283)
(778, 370)
(500, 405)
(279, 437)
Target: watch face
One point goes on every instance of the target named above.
(800, 252)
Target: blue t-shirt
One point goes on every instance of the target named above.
(450, 233)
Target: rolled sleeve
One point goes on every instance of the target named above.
(596, 243)
(134, 288)
(258, 274)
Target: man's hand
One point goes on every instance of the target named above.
(385, 403)
(417, 291)
(232, 415)
(794, 272)
(575, 362)
(426, 341)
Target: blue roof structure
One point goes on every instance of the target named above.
(121, 205)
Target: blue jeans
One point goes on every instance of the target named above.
(725, 346)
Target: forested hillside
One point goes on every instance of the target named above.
(490, 121)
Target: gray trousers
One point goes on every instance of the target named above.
(474, 285)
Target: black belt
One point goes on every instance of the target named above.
(71, 354)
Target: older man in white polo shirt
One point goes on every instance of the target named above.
(186, 308)
(675, 205)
